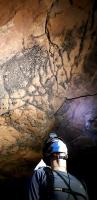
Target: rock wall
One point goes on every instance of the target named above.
(48, 78)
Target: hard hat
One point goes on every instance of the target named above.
(54, 145)
(58, 146)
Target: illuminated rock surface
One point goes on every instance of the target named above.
(48, 78)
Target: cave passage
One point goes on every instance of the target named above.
(48, 81)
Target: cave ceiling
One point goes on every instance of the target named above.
(48, 77)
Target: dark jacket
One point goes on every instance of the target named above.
(47, 184)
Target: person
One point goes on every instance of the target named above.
(52, 181)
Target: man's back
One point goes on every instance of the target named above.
(55, 185)
(67, 186)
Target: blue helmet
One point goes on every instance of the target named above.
(57, 146)
(54, 145)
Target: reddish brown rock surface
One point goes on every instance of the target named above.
(48, 77)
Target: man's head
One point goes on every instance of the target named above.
(54, 149)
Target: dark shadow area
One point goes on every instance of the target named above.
(84, 166)
(15, 189)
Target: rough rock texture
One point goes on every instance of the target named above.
(48, 78)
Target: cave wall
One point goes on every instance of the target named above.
(48, 78)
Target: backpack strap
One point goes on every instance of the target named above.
(70, 192)
(49, 182)
(68, 189)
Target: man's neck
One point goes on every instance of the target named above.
(59, 164)
(60, 168)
